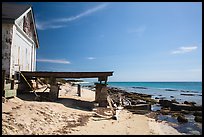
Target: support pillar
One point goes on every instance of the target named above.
(36, 81)
(79, 90)
(54, 89)
(101, 94)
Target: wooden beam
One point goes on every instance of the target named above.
(101, 75)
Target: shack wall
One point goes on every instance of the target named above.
(7, 38)
(19, 45)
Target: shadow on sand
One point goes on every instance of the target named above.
(68, 102)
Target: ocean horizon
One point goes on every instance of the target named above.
(181, 85)
(180, 91)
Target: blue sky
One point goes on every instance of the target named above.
(157, 41)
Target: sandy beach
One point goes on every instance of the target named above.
(63, 117)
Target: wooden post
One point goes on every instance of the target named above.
(101, 94)
(54, 89)
(12, 84)
(79, 90)
(36, 81)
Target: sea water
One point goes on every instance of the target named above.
(180, 91)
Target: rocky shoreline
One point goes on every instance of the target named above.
(139, 103)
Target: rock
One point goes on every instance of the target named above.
(185, 91)
(156, 97)
(172, 96)
(198, 119)
(197, 108)
(153, 115)
(178, 107)
(174, 101)
(170, 89)
(186, 102)
(182, 119)
(140, 87)
(188, 94)
(194, 132)
(141, 101)
(142, 112)
(165, 103)
(175, 114)
(185, 111)
(164, 111)
(197, 113)
(190, 103)
(139, 107)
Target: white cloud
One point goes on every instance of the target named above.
(91, 58)
(182, 50)
(62, 61)
(51, 24)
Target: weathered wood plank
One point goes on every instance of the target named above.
(101, 75)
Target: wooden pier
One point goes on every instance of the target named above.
(101, 90)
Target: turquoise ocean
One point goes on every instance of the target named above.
(181, 91)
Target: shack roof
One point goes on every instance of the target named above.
(11, 11)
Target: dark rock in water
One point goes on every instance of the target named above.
(197, 113)
(190, 103)
(182, 119)
(171, 90)
(140, 87)
(186, 102)
(156, 97)
(172, 96)
(193, 103)
(188, 94)
(179, 107)
(185, 91)
(165, 103)
(198, 119)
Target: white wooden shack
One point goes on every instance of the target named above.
(19, 38)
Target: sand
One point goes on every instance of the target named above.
(62, 118)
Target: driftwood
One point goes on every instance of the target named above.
(101, 117)
(109, 102)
